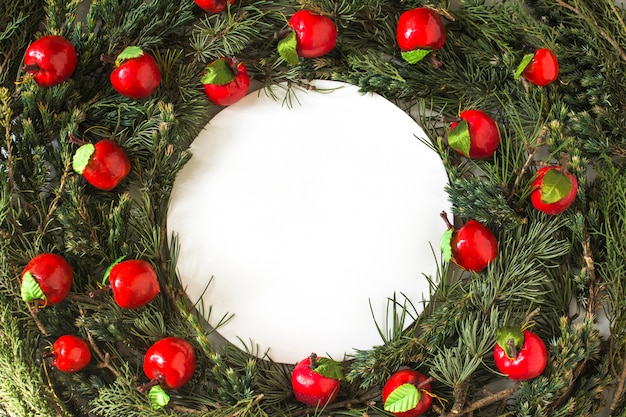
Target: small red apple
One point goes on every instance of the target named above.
(46, 279)
(169, 363)
(70, 353)
(540, 68)
(312, 35)
(136, 75)
(553, 190)
(520, 354)
(406, 394)
(50, 60)
(225, 81)
(316, 381)
(476, 135)
(103, 165)
(472, 247)
(419, 32)
(134, 283)
(213, 6)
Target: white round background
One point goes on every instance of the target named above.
(307, 218)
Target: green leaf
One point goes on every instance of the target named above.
(404, 398)
(108, 271)
(446, 245)
(287, 49)
(459, 138)
(329, 368)
(522, 65)
(158, 397)
(31, 290)
(81, 157)
(218, 72)
(415, 56)
(129, 53)
(554, 186)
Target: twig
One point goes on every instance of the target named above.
(619, 389)
(33, 313)
(593, 21)
(529, 160)
(366, 398)
(478, 404)
(104, 358)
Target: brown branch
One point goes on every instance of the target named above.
(619, 389)
(33, 313)
(595, 24)
(478, 404)
(529, 160)
(366, 399)
(104, 358)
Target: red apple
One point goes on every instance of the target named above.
(419, 31)
(136, 75)
(553, 190)
(316, 381)
(472, 247)
(213, 6)
(134, 283)
(225, 81)
(406, 394)
(312, 35)
(476, 135)
(50, 60)
(169, 363)
(103, 165)
(70, 353)
(46, 279)
(540, 68)
(520, 354)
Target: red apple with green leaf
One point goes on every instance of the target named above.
(169, 364)
(136, 74)
(103, 164)
(213, 6)
(540, 67)
(225, 81)
(69, 353)
(419, 32)
(316, 381)
(472, 247)
(407, 393)
(50, 60)
(134, 283)
(475, 135)
(554, 189)
(311, 35)
(519, 354)
(46, 279)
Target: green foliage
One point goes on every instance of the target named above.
(544, 262)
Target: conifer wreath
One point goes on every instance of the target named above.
(555, 274)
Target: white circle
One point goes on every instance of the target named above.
(307, 218)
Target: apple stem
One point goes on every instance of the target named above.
(512, 349)
(106, 59)
(425, 382)
(153, 383)
(234, 66)
(444, 216)
(436, 63)
(94, 294)
(282, 33)
(30, 67)
(75, 140)
(564, 159)
(313, 361)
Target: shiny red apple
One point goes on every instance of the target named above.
(553, 190)
(316, 381)
(225, 81)
(103, 164)
(476, 135)
(213, 6)
(472, 247)
(406, 394)
(419, 31)
(540, 68)
(136, 74)
(520, 354)
(70, 353)
(46, 279)
(311, 35)
(50, 60)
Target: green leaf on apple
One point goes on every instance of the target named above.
(158, 397)
(446, 245)
(31, 290)
(404, 398)
(129, 52)
(81, 157)
(505, 334)
(415, 56)
(287, 48)
(522, 65)
(459, 138)
(218, 72)
(108, 271)
(329, 368)
(554, 186)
